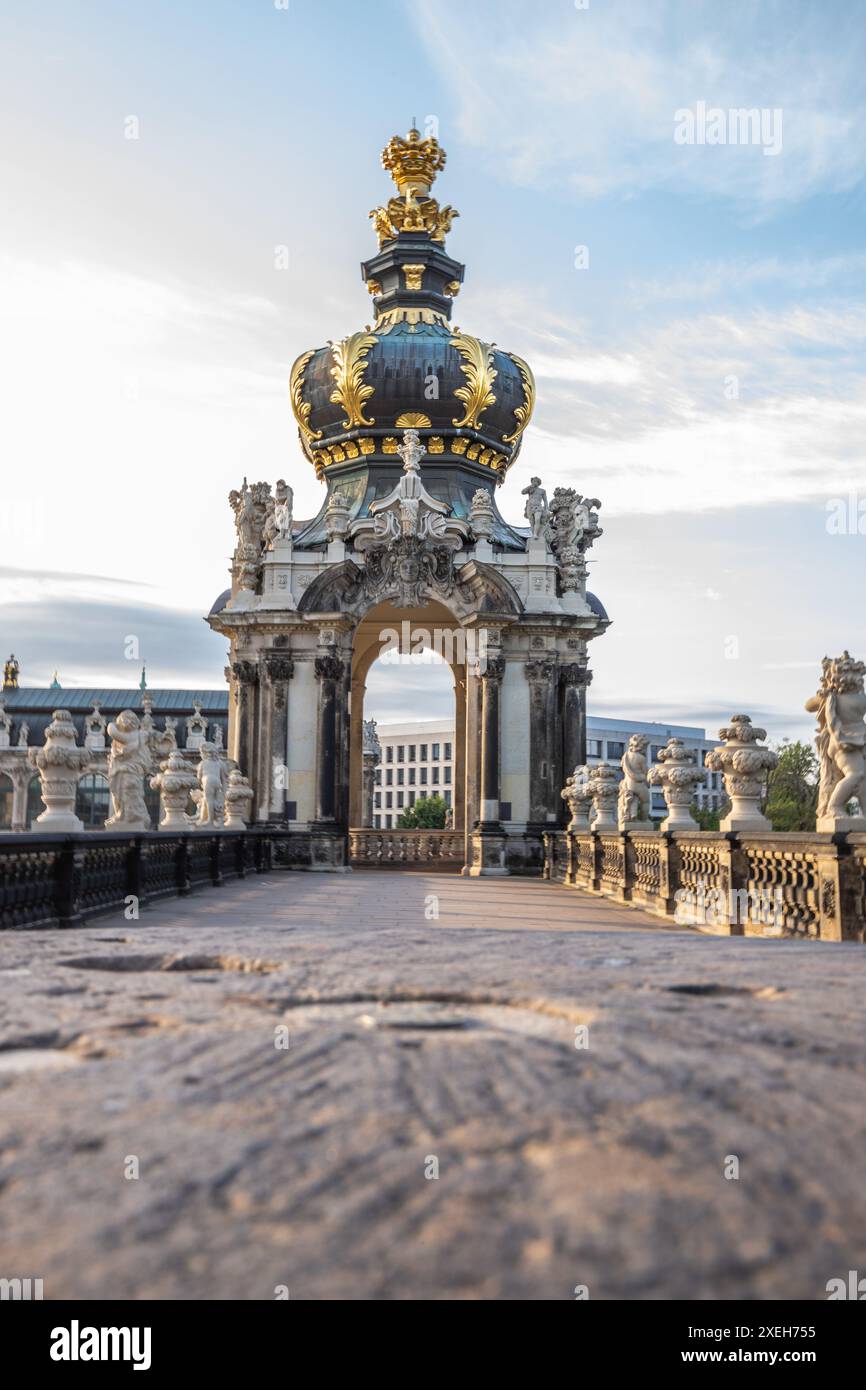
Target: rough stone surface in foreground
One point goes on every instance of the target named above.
(412, 1038)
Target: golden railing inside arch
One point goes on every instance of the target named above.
(427, 849)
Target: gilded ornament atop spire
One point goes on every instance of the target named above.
(413, 164)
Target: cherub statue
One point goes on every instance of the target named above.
(840, 705)
(633, 803)
(536, 509)
(128, 765)
(209, 796)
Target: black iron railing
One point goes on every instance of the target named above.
(62, 880)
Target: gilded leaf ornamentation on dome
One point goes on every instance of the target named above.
(301, 408)
(522, 413)
(350, 391)
(477, 366)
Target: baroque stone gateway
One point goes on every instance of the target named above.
(412, 424)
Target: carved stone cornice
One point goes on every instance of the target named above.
(245, 672)
(328, 668)
(575, 673)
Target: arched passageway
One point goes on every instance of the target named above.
(399, 645)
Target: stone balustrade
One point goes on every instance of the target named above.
(430, 849)
(59, 880)
(806, 885)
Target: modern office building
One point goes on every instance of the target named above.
(607, 740)
(417, 761)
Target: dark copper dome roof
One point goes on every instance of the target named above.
(469, 399)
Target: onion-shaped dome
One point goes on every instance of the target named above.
(469, 400)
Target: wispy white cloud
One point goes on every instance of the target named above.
(132, 404)
(709, 410)
(585, 99)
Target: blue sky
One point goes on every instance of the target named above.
(147, 335)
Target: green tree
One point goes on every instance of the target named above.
(792, 788)
(706, 817)
(428, 813)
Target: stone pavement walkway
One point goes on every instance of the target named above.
(418, 1042)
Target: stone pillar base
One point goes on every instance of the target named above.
(749, 825)
(328, 850)
(59, 823)
(841, 824)
(639, 825)
(488, 854)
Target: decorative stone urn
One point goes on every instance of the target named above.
(238, 796)
(678, 774)
(60, 763)
(482, 517)
(604, 790)
(744, 764)
(174, 782)
(578, 793)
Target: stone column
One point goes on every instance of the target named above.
(246, 675)
(280, 668)
(487, 838)
(343, 765)
(491, 681)
(574, 678)
(543, 811)
(459, 753)
(357, 764)
(329, 672)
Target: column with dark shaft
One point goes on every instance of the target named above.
(246, 674)
(491, 681)
(329, 671)
(574, 679)
(280, 669)
(543, 793)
